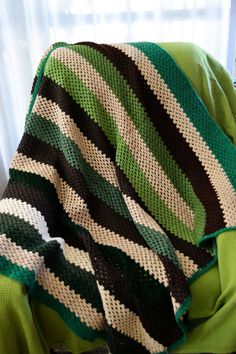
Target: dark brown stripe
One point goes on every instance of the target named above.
(174, 141)
(199, 255)
(54, 259)
(52, 91)
(36, 199)
(88, 127)
(120, 344)
(128, 284)
(99, 210)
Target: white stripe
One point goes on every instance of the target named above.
(70, 299)
(140, 217)
(127, 322)
(51, 111)
(153, 171)
(28, 213)
(77, 210)
(34, 217)
(102, 165)
(55, 287)
(220, 182)
(22, 257)
(78, 257)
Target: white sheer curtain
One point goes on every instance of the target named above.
(28, 27)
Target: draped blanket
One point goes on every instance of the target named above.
(118, 188)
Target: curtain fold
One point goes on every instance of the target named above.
(28, 27)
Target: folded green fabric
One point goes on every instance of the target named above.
(212, 315)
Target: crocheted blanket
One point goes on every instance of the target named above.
(117, 191)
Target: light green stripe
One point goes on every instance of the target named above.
(82, 95)
(161, 213)
(143, 124)
(63, 76)
(51, 134)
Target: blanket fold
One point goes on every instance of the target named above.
(117, 191)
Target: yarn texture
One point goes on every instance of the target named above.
(117, 191)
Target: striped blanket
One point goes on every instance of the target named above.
(117, 191)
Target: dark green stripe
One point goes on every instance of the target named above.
(142, 122)
(25, 235)
(21, 274)
(50, 133)
(72, 321)
(127, 163)
(219, 144)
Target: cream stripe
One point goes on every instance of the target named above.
(188, 265)
(127, 322)
(76, 208)
(16, 254)
(175, 304)
(220, 182)
(28, 213)
(102, 164)
(31, 215)
(140, 217)
(130, 134)
(78, 257)
(51, 283)
(70, 299)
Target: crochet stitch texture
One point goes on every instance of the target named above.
(117, 191)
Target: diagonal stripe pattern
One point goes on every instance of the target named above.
(103, 218)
